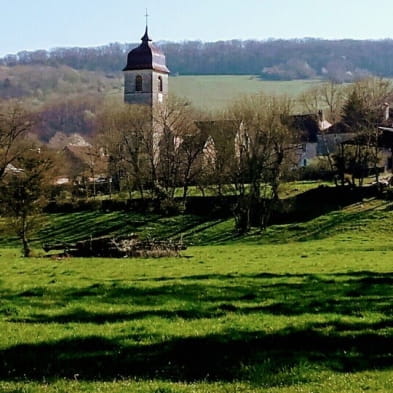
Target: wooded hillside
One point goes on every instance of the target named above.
(339, 60)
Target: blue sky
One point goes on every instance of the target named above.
(45, 24)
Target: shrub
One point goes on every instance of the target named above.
(318, 169)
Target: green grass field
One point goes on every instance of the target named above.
(214, 92)
(304, 307)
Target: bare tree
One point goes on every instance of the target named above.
(325, 101)
(124, 130)
(191, 151)
(362, 113)
(218, 153)
(175, 145)
(154, 150)
(24, 193)
(15, 122)
(263, 149)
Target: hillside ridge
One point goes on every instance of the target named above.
(339, 60)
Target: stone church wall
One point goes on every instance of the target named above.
(150, 94)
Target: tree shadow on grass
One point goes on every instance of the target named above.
(341, 345)
(222, 357)
(83, 316)
(333, 223)
(79, 226)
(86, 224)
(209, 296)
(206, 234)
(321, 225)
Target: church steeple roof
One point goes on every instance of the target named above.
(146, 37)
(146, 57)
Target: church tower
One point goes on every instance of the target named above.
(146, 75)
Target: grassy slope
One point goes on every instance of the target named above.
(303, 308)
(220, 90)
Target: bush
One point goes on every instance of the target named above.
(170, 207)
(318, 169)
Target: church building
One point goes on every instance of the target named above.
(146, 75)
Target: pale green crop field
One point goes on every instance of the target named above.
(215, 92)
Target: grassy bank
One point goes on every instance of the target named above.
(196, 230)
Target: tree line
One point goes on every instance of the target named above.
(338, 60)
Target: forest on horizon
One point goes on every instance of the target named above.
(274, 59)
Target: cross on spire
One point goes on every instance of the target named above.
(146, 37)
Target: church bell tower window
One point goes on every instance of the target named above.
(138, 83)
(160, 85)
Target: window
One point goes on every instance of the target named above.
(160, 87)
(138, 83)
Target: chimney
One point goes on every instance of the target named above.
(386, 111)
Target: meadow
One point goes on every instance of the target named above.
(215, 92)
(303, 307)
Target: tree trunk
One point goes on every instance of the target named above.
(242, 215)
(25, 242)
(26, 247)
(185, 192)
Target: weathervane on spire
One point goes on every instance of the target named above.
(147, 18)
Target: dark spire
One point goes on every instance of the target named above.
(146, 37)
